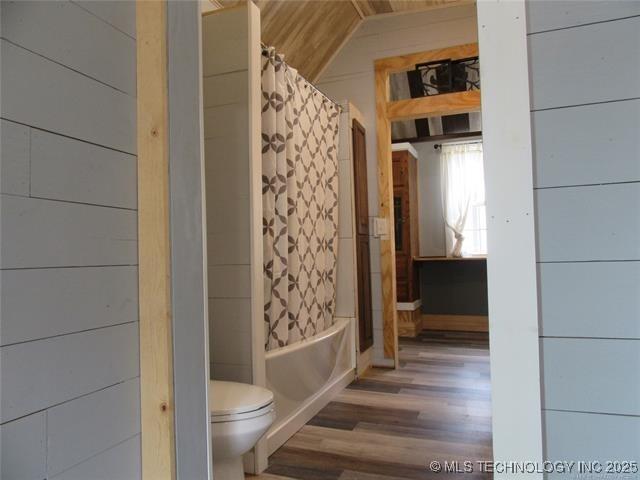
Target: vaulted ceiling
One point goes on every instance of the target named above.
(311, 32)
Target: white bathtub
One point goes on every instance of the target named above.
(305, 376)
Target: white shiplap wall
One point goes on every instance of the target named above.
(350, 75)
(228, 160)
(69, 372)
(585, 101)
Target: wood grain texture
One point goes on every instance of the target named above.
(405, 109)
(409, 323)
(437, 105)
(385, 211)
(465, 323)
(407, 62)
(389, 424)
(381, 7)
(308, 34)
(154, 250)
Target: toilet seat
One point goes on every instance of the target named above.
(232, 401)
(235, 417)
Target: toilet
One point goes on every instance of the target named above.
(240, 415)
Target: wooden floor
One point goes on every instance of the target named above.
(390, 424)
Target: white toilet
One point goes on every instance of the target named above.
(240, 415)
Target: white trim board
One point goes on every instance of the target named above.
(408, 306)
(511, 263)
(405, 146)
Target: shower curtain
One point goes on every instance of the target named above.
(300, 204)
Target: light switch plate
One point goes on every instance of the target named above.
(380, 227)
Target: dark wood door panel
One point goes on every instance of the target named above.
(363, 252)
(360, 174)
(365, 314)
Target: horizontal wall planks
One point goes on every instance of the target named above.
(591, 375)
(120, 15)
(588, 144)
(221, 219)
(386, 37)
(44, 233)
(119, 462)
(235, 174)
(226, 88)
(345, 304)
(70, 299)
(37, 375)
(588, 223)
(590, 299)
(234, 28)
(46, 95)
(38, 163)
(89, 425)
(229, 281)
(226, 121)
(14, 158)
(100, 175)
(230, 347)
(231, 372)
(573, 66)
(543, 15)
(591, 437)
(230, 314)
(72, 36)
(24, 448)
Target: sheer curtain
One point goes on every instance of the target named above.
(463, 200)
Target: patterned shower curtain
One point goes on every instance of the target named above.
(300, 204)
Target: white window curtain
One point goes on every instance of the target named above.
(463, 199)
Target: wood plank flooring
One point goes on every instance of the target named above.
(390, 424)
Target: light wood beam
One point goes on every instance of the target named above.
(386, 112)
(154, 250)
(385, 210)
(434, 106)
(403, 63)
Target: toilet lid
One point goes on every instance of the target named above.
(229, 398)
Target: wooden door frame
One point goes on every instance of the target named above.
(173, 340)
(511, 263)
(158, 460)
(386, 112)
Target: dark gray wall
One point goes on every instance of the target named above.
(454, 287)
(69, 392)
(585, 90)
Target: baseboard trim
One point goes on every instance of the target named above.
(463, 323)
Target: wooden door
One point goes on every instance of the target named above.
(365, 316)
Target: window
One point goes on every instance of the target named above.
(463, 199)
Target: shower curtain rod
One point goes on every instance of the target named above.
(468, 142)
(324, 95)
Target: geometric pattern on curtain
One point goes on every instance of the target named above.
(300, 204)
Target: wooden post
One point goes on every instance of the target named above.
(386, 112)
(154, 249)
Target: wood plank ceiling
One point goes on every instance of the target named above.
(310, 32)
